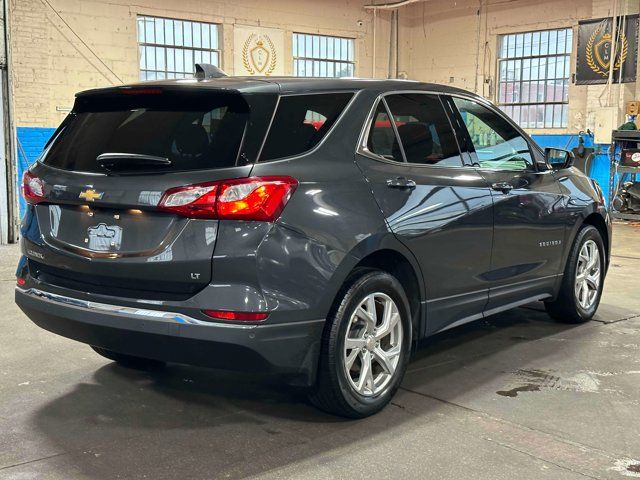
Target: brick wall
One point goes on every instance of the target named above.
(81, 44)
(62, 46)
(452, 43)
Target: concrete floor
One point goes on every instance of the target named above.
(515, 396)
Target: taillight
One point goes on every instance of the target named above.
(195, 201)
(255, 198)
(32, 188)
(236, 316)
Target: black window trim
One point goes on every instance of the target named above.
(533, 147)
(394, 127)
(311, 151)
(363, 149)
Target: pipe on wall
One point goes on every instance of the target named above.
(373, 60)
(392, 68)
(614, 44)
(392, 5)
(8, 229)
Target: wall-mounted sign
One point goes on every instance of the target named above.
(258, 51)
(595, 50)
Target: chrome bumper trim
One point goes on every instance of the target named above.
(141, 313)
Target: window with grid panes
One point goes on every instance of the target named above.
(170, 48)
(533, 85)
(322, 56)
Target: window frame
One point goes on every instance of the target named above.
(545, 103)
(363, 149)
(534, 150)
(166, 71)
(326, 59)
(355, 94)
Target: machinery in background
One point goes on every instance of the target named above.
(625, 165)
(583, 155)
(624, 155)
(627, 199)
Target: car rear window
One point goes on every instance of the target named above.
(301, 121)
(193, 130)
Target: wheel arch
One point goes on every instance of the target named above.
(599, 219)
(389, 255)
(596, 220)
(396, 264)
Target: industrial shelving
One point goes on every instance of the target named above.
(619, 140)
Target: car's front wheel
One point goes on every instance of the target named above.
(130, 361)
(583, 279)
(365, 347)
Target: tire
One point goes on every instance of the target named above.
(336, 389)
(567, 307)
(129, 361)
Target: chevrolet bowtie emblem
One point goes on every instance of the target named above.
(91, 195)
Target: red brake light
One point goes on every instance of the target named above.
(32, 188)
(141, 91)
(254, 198)
(194, 201)
(20, 281)
(236, 316)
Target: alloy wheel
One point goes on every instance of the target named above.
(373, 344)
(588, 275)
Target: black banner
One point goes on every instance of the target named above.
(595, 41)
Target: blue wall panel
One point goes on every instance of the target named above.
(31, 142)
(600, 165)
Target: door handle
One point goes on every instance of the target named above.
(503, 187)
(401, 182)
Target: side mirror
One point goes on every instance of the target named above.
(557, 158)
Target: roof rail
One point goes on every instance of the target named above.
(206, 70)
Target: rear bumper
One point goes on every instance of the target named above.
(289, 349)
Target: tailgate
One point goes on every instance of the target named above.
(97, 227)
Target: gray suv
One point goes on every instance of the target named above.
(316, 229)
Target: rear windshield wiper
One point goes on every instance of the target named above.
(130, 161)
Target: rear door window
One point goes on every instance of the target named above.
(426, 135)
(192, 130)
(382, 137)
(301, 122)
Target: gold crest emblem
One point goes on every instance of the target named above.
(259, 55)
(598, 51)
(90, 195)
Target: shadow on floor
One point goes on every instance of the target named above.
(195, 423)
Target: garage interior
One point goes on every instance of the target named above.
(513, 395)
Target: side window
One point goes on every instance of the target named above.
(301, 121)
(425, 133)
(382, 139)
(497, 143)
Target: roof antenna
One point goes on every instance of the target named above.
(205, 71)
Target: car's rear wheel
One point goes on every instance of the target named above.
(365, 346)
(130, 361)
(583, 279)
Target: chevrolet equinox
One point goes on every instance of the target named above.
(315, 229)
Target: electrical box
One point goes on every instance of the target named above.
(605, 122)
(633, 107)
